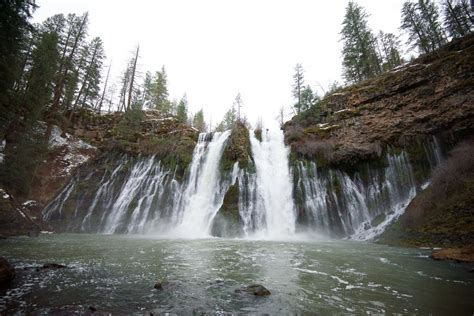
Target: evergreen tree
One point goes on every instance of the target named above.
(360, 58)
(90, 74)
(26, 146)
(298, 83)
(72, 39)
(389, 46)
(421, 22)
(230, 117)
(458, 19)
(307, 98)
(198, 121)
(159, 91)
(14, 26)
(182, 110)
(412, 25)
(430, 18)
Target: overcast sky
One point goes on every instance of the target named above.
(214, 49)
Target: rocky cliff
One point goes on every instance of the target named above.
(431, 95)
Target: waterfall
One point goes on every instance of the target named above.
(269, 208)
(362, 205)
(204, 193)
(121, 193)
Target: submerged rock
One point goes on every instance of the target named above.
(47, 266)
(162, 285)
(255, 289)
(7, 272)
(53, 266)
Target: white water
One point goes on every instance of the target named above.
(273, 209)
(204, 193)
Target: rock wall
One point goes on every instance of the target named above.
(432, 95)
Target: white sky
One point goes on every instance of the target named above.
(214, 49)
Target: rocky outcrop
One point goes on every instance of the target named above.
(150, 132)
(17, 219)
(431, 95)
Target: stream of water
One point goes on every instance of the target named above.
(116, 273)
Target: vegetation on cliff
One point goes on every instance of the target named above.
(237, 148)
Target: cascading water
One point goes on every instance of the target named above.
(204, 193)
(138, 194)
(363, 205)
(266, 197)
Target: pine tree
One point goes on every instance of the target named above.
(71, 42)
(182, 110)
(198, 121)
(26, 146)
(307, 98)
(458, 19)
(14, 26)
(421, 22)
(430, 18)
(298, 83)
(360, 58)
(389, 50)
(228, 121)
(159, 91)
(91, 74)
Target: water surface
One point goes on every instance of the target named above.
(116, 273)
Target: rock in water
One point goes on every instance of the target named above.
(256, 289)
(161, 284)
(7, 272)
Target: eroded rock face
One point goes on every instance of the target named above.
(7, 272)
(431, 95)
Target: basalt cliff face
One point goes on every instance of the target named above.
(424, 106)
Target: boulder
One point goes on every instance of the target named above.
(255, 289)
(7, 272)
(159, 285)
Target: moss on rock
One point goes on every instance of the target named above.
(227, 221)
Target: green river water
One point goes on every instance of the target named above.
(116, 274)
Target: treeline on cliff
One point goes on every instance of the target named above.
(365, 54)
(52, 70)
